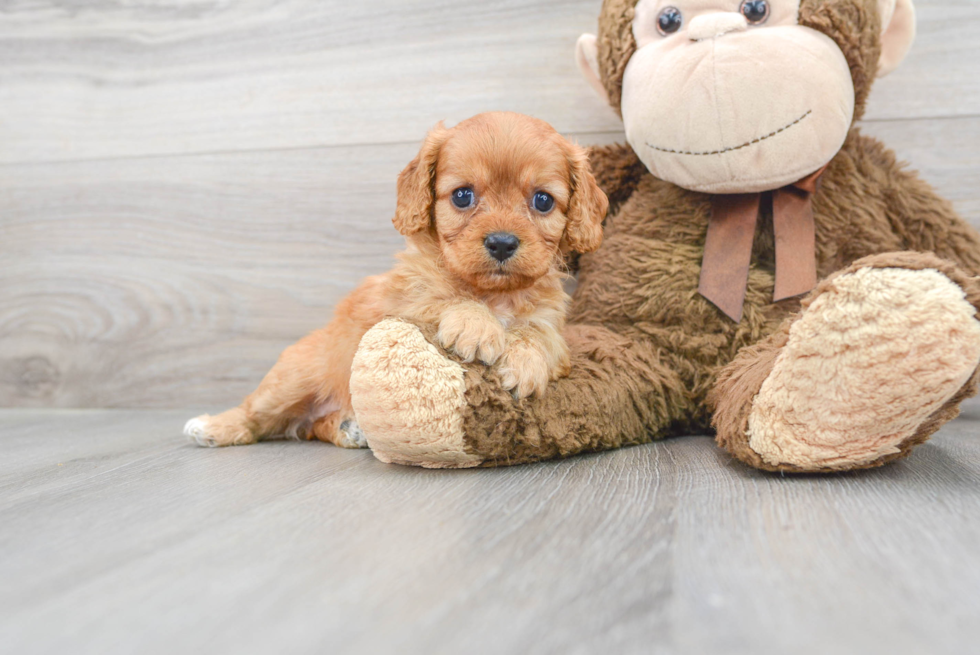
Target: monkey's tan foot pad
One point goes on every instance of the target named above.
(867, 364)
(409, 398)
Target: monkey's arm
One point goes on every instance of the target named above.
(923, 220)
(928, 223)
(617, 171)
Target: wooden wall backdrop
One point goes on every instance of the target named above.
(187, 186)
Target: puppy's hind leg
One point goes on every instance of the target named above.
(283, 399)
(308, 386)
(340, 428)
(332, 420)
(332, 414)
(226, 429)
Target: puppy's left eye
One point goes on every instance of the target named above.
(543, 202)
(463, 198)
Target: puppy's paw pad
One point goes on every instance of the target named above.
(196, 430)
(350, 435)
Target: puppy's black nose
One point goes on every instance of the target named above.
(501, 245)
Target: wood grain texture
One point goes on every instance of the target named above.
(191, 185)
(165, 281)
(172, 281)
(120, 538)
(108, 79)
(115, 80)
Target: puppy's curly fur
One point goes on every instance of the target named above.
(509, 313)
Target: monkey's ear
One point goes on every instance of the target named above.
(416, 185)
(586, 208)
(897, 33)
(587, 58)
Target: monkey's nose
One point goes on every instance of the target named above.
(713, 25)
(501, 245)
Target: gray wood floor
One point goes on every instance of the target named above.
(118, 537)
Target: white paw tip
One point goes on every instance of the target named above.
(196, 431)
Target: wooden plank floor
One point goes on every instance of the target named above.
(119, 537)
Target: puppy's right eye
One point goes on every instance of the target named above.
(543, 202)
(463, 198)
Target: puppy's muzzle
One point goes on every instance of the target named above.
(501, 245)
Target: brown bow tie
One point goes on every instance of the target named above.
(728, 246)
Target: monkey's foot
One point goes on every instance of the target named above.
(409, 398)
(866, 371)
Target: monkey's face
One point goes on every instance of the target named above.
(733, 96)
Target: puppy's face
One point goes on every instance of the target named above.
(505, 194)
(501, 197)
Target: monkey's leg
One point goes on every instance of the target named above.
(418, 406)
(880, 357)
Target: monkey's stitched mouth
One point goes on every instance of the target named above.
(724, 150)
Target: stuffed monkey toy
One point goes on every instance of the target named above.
(768, 273)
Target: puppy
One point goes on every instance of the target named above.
(489, 210)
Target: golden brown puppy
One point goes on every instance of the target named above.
(489, 208)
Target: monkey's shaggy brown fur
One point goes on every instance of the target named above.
(651, 357)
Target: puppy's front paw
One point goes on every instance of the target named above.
(472, 333)
(524, 370)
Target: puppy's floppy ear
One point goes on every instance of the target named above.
(587, 207)
(416, 185)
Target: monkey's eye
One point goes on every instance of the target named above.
(669, 20)
(543, 202)
(463, 198)
(755, 11)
